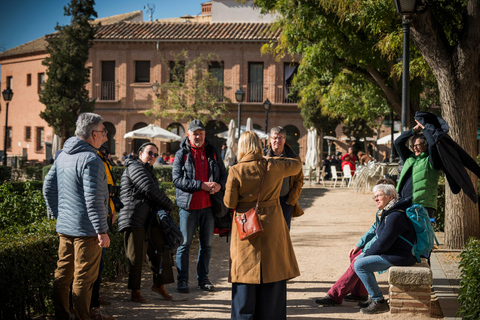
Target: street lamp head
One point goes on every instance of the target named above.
(406, 7)
(155, 86)
(7, 94)
(42, 86)
(239, 95)
(266, 105)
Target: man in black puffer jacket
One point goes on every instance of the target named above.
(142, 197)
(198, 171)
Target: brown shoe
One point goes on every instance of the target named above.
(162, 291)
(99, 314)
(137, 297)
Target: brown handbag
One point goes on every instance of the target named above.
(248, 223)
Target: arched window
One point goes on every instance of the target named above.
(215, 127)
(138, 142)
(293, 134)
(179, 130)
(110, 144)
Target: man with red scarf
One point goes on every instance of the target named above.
(198, 171)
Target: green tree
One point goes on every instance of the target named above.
(193, 90)
(65, 95)
(365, 37)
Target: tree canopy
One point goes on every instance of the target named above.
(350, 53)
(365, 38)
(65, 95)
(194, 90)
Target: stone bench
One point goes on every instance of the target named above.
(410, 288)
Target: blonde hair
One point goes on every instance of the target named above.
(249, 142)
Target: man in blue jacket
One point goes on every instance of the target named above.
(198, 171)
(76, 194)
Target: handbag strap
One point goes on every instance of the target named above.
(261, 186)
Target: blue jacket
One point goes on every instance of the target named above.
(76, 192)
(183, 172)
(394, 223)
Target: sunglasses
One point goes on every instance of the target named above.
(152, 154)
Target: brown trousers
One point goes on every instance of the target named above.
(78, 263)
(138, 245)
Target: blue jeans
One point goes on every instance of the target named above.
(365, 267)
(189, 220)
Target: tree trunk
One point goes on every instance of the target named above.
(460, 110)
(456, 70)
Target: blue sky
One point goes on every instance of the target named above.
(22, 21)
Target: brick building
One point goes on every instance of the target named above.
(126, 59)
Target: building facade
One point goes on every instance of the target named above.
(129, 55)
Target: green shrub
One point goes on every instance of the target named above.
(469, 294)
(19, 186)
(5, 173)
(28, 256)
(33, 172)
(20, 208)
(163, 174)
(45, 170)
(117, 172)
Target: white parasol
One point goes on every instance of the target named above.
(153, 131)
(229, 154)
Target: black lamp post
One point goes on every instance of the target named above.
(239, 95)
(266, 106)
(7, 96)
(405, 8)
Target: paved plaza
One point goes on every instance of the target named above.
(334, 220)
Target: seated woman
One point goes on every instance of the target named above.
(349, 287)
(388, 249)
(347, 161)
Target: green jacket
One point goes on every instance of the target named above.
(424, 180)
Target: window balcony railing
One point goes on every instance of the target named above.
(281, 95)
(254, 92)
(105, 91)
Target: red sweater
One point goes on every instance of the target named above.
(200, 199)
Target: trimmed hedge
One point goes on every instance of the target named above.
(28, 258)
(29, 251)
(469, 294)
(5, 173)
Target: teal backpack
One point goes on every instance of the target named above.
(425, 235)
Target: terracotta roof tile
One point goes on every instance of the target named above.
(186, 31)
(158, 31)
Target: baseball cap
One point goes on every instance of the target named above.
(196, 125)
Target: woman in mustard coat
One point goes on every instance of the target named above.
(260, 267)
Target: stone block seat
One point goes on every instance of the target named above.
(410, 288)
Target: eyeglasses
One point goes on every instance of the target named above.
(104, 131)
(152, 154)
(413, 146)
(378, 195)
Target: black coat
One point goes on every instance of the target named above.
(453, 159)
(183, 172)
(140, 195)
(394, 223)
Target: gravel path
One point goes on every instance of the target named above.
(334, 220)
